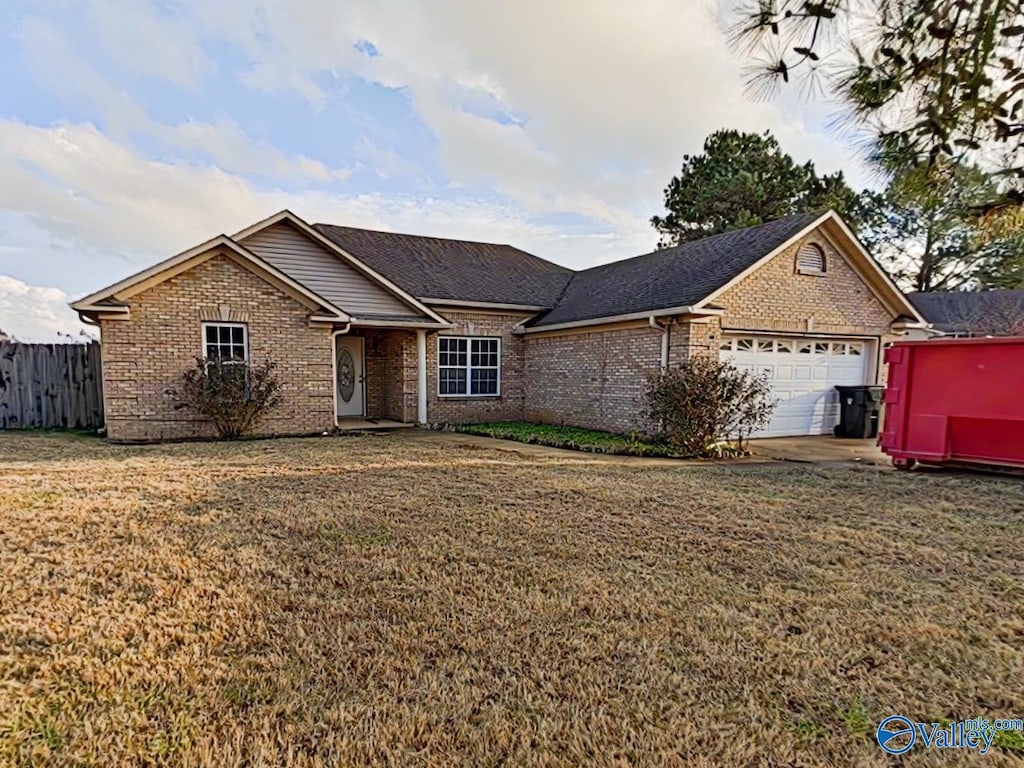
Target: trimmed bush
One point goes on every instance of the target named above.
(706, 402)
(233, 395)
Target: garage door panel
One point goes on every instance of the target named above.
(803, 374)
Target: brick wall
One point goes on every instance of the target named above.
(688, 338)
(467, 410)
(144, 357)
(777, 298)
(593, 379)
(390, 374)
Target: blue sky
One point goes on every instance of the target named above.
(133, 129)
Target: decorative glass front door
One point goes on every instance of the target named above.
(349, 375)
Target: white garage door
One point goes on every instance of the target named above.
(803, 374)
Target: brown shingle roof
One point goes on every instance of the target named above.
(670, 277)
(439, 268)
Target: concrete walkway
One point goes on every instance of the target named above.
(821, 449)
(811, 450)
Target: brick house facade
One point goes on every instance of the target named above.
(587, 372)
(143, 359)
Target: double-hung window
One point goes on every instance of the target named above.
(226, 349)
(226, 342)
(468, 366)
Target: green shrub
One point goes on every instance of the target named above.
(573, 438)
(705, 402)
(233, 395)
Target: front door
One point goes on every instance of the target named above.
(349, 375)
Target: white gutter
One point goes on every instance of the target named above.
(398, 324)
(687, 310)
(664, 340)
(898, 326)
(481, 304)
(329, 319)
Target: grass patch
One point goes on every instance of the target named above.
(401, 601)
(573, 438)
(1011, 741)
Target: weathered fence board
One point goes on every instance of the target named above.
(50, 386)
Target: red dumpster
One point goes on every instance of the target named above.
(955, 401)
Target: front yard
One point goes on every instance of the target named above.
(379, 600)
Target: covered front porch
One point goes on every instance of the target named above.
(380, 377)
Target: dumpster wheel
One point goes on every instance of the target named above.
(904, 465)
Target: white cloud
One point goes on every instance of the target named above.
(56, 63)
(111, 204)
(384, 161)
(537, 108)
(610, 98)
(228, 147)
(145, 41)
(32, 313)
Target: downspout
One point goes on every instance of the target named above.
(664, 340)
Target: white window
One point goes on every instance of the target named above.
(227, 342)
(810, 260)
(468, 366)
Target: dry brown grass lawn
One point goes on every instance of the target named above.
(377, 600)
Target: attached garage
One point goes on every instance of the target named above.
(803, 373)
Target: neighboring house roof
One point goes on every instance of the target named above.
(460, 270)
(980, 312)
(671, 277)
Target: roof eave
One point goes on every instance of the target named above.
(357, 323)
(609, 319)
(91, 304)
(482, 304)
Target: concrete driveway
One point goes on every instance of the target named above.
(820, 449)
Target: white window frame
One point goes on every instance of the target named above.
(468, 367)
(216, 324)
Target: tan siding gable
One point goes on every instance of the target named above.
(322, 272)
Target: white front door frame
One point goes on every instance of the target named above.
(357, 345)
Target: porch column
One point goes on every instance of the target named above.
(421, 376)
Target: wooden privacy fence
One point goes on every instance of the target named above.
(50, 386)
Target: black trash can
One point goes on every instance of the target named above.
(858, 411)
